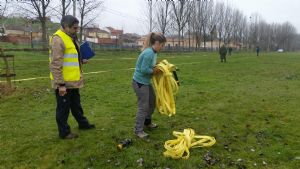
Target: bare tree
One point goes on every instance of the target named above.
(190, 25)
(211, 24)
(88, 13)
(65, 7)
(3, 11)
(203, 21)
(41, 9)
(242, 36)
(197, 24)
(150, 21)
(3, 8)
(228, 24)
(37, 10)
(264, 35)
(180, 15)
(207, 12)
(202, 18)
(61, 9)
(236, 22)
(162, 16)
(286, 36)
(254, 29)
(220, 12)
(296, 43)
(269, 36)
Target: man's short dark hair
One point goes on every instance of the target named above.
(68, 21)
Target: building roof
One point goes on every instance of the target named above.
(103, 31)
(130, 37)
(92, 29)
(15, 27)
(114, 32)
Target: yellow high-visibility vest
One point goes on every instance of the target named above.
(71, 67)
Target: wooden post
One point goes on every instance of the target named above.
(8, 74)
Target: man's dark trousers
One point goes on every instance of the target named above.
(223, 58)
(71, 100)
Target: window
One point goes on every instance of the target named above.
(1, 30)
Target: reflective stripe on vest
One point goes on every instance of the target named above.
(71, 67)
(70, 56)
(71, 64)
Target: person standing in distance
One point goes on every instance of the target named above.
(223, 52)
(257, 50)
(229, 50)
(66, 76)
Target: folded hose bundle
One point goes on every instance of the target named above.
(165, 87)
(179, 147)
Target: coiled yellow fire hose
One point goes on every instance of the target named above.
(179, 148)
(165, 87)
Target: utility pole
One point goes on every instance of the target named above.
(150, 14)
(74, 8)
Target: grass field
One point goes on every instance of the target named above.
(250, 105)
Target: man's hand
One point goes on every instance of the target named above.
(84, 61)
(62, 90)
(156, 70)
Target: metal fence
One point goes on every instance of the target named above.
(36, 45)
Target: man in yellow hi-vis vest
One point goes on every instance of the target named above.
(66, 76)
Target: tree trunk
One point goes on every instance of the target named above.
(182, 37)
(189, 40)
(81, 27)
(44, 33)
(211, 44)
(179, 39)
(204, 37)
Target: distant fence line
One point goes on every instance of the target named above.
(39, 46)
(96, 46)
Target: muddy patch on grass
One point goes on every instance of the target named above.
(5, 90)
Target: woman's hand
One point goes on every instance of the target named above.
(156, 70)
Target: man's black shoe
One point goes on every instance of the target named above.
(90, 126)
(70, 136)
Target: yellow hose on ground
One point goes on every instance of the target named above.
(165, 87)
(179, 148)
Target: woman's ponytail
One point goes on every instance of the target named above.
(148, 40)
(152, 38)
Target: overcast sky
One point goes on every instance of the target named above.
(128, 14)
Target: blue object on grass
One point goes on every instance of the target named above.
(86, 51)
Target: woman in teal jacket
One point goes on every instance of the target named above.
(144, 69)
